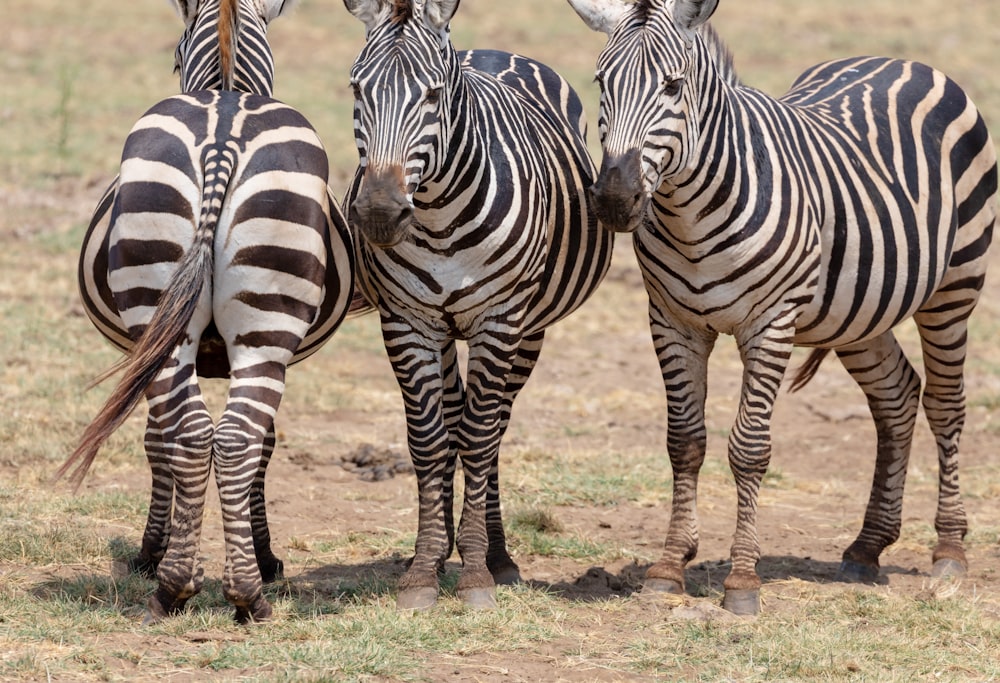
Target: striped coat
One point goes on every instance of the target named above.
(863, 197)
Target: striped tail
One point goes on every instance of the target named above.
(168, 326)
(808, 369)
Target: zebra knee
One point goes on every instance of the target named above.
(192, 437)
(235, 450)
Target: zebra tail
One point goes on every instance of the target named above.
(166, 329)
(360, 305)
(807, 370)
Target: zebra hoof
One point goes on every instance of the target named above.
(654, 586)
(272, 571)
(507, 576)
(744, 602)
(156, 611)
(419, 599)
(947, 568)
(855, 572)
(260, 610)
(479, 598)
(141, 566)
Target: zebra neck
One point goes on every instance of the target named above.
(723, 162)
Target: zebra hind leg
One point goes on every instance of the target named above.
(943, 347)
(498, 560)
(271, 568)
(161, 499)
(187, 436)
(892, 388)
(237, 458)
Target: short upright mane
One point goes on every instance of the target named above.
(229, 30)
(402, 10)
(720, 53)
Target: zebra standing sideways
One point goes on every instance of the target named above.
(474, 226)
(862, 197)
(218, 252)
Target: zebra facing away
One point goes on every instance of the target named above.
(219, 251)
(470, 202)
(862, 197)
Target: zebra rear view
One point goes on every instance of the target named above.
(219, 252)
(864, 196)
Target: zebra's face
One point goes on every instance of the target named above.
(647, 121)
(401, 122)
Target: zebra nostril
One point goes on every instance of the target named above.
(353, 217)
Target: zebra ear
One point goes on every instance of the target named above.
(600, 15)
(690, 14)
(186, 10)
(272, 9)
(366, 11)
(437, 13)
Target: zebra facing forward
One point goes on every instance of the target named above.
(218, 252)
(474, 226)
(862, 197)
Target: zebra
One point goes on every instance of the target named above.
(474, 226)
(218, 252)
(862, 197)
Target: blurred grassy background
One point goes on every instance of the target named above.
(77, 77)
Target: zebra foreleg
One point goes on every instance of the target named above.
(491, 357)
(765, 357)
(683, 363)
(419, 372)
(892, 388)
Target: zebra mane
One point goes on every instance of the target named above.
(716, 47)
(720, 54)
(402, 10)
(229, 27)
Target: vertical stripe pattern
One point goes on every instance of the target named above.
(218, 252)
(863, 197)
(473, 226)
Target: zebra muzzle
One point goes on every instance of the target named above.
(618, 198)
(381, 213)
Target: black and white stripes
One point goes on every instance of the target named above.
(218, 252)
(862, 197)
(473, 225)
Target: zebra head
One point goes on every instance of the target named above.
(224, 45)
(403, 82)
(647, 120)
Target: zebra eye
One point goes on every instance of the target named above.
(433, 95)
(672, 86)
(356, 89)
